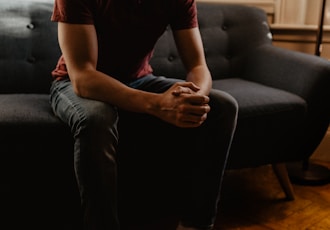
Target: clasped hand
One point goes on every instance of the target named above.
(183, 106)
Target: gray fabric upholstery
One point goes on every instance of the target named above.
(27, 109)
(262, 100)
(29, 49)
(283, 99)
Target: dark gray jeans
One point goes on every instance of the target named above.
(94, 126)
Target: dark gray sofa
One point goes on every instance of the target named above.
(283, 98)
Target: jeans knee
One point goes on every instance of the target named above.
(102, 117)
(225, 106)
(231, 108)
(97, 121)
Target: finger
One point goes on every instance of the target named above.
(185, 87)
(197, 99)
(199, 110)
(181, 90)
(194, 120)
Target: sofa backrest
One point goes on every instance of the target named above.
(29, 47)
(229, 32)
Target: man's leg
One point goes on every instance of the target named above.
(94, 128)
(202, 153)
(206, 162)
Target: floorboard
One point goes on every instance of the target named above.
(252, 199)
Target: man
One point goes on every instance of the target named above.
(106, 46)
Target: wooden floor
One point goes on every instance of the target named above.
(253, 200)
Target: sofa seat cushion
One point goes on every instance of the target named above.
(28, 130)
(263, 112)
(19, 110)
(28, 125)
(257, 100)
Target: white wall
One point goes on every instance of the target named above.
(294, 23)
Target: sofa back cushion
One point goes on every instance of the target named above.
(229, 32)
(29, 46)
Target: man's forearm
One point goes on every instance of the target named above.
(201, 76)
(98, 86)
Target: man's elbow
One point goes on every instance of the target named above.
(78, 85)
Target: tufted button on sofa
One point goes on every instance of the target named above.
(283, 99)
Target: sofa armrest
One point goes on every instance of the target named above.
(305, 75)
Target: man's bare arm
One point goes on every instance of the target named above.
(189, 44)
(79, 47)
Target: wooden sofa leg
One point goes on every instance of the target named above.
(281, 173)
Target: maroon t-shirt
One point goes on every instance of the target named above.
(127, 30)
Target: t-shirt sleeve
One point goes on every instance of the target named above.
(73, 11)
(184, 15)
